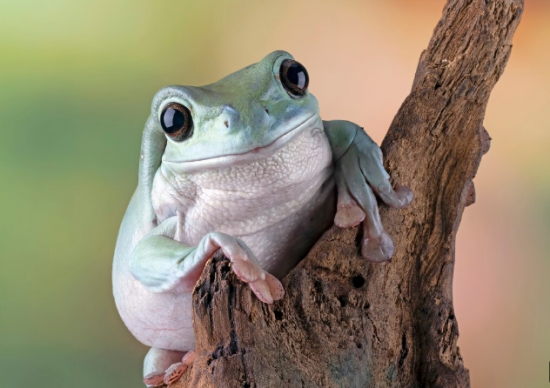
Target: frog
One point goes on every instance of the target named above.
(245, 166)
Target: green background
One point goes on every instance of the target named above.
(76, 82)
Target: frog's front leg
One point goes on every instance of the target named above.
(162, 264)
(359, 174)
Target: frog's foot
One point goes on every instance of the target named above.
(175, 371)
(164, 367)
(172, 374)
(244, 264)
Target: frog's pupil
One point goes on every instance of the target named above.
(297, 75)
(172, 120)
(294, 77)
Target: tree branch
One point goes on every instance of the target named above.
(347, 323)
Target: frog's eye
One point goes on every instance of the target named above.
(176, 121)
(294, 77)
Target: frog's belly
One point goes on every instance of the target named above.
(164, 320)
(281, 246)
(159, 320)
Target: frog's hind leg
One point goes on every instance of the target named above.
(163, 367)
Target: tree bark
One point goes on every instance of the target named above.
(347, 323)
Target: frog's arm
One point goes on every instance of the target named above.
(359, 174)
(162, 264)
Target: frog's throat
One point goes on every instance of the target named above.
(247, 156)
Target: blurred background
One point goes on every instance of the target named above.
(76, 82)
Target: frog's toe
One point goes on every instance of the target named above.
(261, 289)
(157, 364)
(348, 216)
(174, 373)
(275, 287)
(348, 212)
(399, 198)
(268, 289)
(155, 379)
(246, 270)
(405, 195)
(377, 249)
(189, 358)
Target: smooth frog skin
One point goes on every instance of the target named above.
(261, 177)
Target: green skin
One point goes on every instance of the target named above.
(261, 178)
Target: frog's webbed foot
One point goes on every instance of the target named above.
(161, 368)
(359, 175)
(244, 264)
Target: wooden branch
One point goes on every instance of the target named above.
(347, 323)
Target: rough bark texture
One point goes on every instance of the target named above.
(347, 323)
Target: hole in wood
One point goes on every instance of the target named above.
(358, 281)
(343, 300)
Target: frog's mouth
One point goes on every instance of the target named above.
(248, 156)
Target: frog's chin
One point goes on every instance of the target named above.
(246, 157)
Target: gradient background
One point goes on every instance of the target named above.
(76, 81)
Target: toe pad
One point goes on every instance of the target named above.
(377, 249)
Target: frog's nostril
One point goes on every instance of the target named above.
(266, 110)
(226, 123)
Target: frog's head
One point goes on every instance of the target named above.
(241, 118)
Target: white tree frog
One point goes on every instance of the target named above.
(245, 165)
